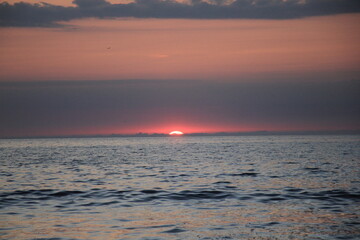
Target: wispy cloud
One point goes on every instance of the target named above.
(44, 14)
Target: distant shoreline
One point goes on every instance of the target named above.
(254, 133)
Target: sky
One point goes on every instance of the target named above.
(88, 67)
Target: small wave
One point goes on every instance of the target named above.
(65, 193)
(151, 191)
(245, 174)
(205, 194)
(95, 204)
(294, 189)
(340, 194)
(222, 182)
(161, 226)
(104, 197)
(315, 170)
(175, 230)
(264, 225)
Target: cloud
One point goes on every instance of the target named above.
(44, 14)
(91, 3)
(41, 108)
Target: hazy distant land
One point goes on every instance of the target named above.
(252, 133)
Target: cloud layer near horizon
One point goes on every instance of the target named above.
(44, 14)
(106, 107)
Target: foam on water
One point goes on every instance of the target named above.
(269, 187)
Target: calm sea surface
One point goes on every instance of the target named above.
(257, 187)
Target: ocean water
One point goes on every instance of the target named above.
(243, 187)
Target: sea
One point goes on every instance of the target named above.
(208, 187)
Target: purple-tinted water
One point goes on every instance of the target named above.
(258, 187)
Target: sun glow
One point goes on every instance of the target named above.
(176, 133)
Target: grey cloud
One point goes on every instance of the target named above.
(43, 14)
(40, 107)
(91, 3)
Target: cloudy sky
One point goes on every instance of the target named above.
(122, 66)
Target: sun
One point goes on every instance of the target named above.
(176, 133)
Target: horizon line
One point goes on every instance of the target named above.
(199, 134)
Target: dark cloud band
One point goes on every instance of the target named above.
(38, 108)
(43, 14)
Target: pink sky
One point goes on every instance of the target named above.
(91, 49)
(221, 59)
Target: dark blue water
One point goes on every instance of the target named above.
(258, 187)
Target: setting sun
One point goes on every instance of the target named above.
(176, 133)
